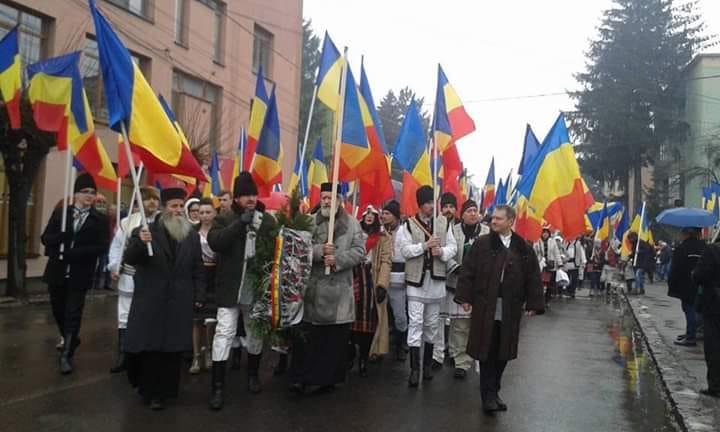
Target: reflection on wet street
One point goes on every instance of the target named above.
(581, 367)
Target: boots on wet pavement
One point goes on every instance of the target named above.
(362, 368)
(282, 364)
(401, 346)
(196, 364)
(66, 357)
(427, 362)
(414, 379)
(236, 355)
(121, 362)
(217, 382)
(253, 367)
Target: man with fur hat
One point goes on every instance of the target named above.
(448, 208)
(123, 273)
(167, 286)
(466, 233)
(319, 355)
(72, 256)
(426, 244)
(233, 237)
(397, 294)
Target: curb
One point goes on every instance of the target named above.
(677, 382)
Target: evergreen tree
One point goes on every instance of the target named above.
(633, 88)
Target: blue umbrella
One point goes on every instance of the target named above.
(685, 217)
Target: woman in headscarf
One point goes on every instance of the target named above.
(371, 280)
(192, 210)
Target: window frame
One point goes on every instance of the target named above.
(261, 34)
(211, 94)
(148, 8)
(181, 24)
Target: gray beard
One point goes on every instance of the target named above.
(325, 211)
(177, 226)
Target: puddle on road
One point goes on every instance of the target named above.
(646, 403)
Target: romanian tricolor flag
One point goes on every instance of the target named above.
(329, 73)
(554, 188)
(317, 173)
(354, 147)
(464, 190)
(411, 153)
(373, 172)
(488, 200)
(60, 105)
(133, 106)
(11, 76)
(530, 150)
(258, 112)
(188, 180)
(297, 180)
(215, 177)
(265, 168)
(605, 230)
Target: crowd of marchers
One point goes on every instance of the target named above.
(432, 289)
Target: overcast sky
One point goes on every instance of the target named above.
(496, 54)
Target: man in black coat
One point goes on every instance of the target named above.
(72, 256)
(680, 283)
(234, 236)
(707, 274)
(168, 285)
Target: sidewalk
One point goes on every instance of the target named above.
(682, 368)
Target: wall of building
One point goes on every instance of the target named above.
(702, 112)
(69, 25)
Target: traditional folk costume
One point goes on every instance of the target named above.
(425, 280)
(370, 280)
(465, 235)
(233, 237)
(397, 293)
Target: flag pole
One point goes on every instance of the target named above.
(336, 153)
(66, 197)
(435, 182)
(136, 181)
(118, 202)
(637, 246)
(136, 195)
(307, 130)
(243, 141)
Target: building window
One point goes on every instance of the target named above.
(262, 48)
(33, 35)
(195, 103)
(181, 22)
(141, 8)
(218, 30)
(92, 78)
(30, 214)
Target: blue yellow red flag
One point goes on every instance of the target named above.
(410, 149)
(258, 113)
(329, 74)
(554, 187)
(11, 76)
(317, 173)
(132, 105)
(266, 169)
(531, 147)
(354, 147)
(488, 200)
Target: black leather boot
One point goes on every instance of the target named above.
(401, 347)
(282, 364)
(217, 398)
(66, 357)
(427, 362)
(236, 356)
(414, 367)
(120, 363)
(253, 367)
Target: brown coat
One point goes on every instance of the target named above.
(381, 265)
(479, 284)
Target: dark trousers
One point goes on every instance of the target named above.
(595, 281)
(363, 341)
(156, 374)
(67, 307)
(712, 350)
(319, 354)
(491, 370)
(574, 281)
(690, 312)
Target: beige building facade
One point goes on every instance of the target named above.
(201, 55)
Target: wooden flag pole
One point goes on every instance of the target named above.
(336, 154)
(307, 132)
(118, 203)
(243, 139)
(136, 195)
(637, 246)
(136, 182)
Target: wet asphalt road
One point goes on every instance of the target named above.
(581, 368)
